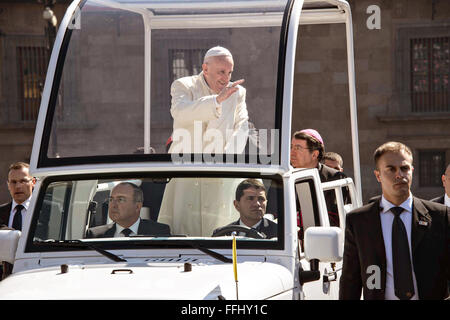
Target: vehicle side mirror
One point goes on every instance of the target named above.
(9, 239)
(325, 244)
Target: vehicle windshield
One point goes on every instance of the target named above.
(161, 209)
(114, 92)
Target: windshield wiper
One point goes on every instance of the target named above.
(194, 245)
(209, 252)
(82, 244)
(79, 243)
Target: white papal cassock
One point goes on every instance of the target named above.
(195, 206)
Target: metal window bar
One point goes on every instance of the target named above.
(32, 63)
(430, 70)
(185, 62)
(431, 166)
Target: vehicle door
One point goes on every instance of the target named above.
(312, 211)
(347, 199)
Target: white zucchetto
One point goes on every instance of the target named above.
(218, 51)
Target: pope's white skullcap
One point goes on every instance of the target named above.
(218, 51)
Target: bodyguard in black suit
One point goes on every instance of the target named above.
(397, 246)
(12, 214)
(125, 203)
(445, 198)
(251, 202)
(5, 210)
(20, 186)
(439, 199)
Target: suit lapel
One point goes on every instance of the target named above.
(5, 212)
(420, 224)
(375, 232)
(111, 230)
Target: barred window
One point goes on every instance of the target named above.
(185, 62)
(430, 68)
(431, 167)
(31, 68)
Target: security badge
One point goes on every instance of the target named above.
(423, 223)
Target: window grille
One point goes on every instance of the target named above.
(431, 167)
(31, 68)
(430, 69)
(185, 62)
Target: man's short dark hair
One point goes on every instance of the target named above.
(391, 146)
(333, 156)
(312, 143)
(246, 184)
(18, 165)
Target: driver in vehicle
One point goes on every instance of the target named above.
(125, 203)
(251, 202)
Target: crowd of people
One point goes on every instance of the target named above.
(407, 237)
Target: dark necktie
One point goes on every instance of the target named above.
(126, 232)
(17, 221)
(403, 280)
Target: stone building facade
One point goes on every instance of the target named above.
(402, 72)
(395, 74)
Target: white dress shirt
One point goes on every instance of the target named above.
(387, 218)
(134, 229)
(25, 204)
(447, 200)
(243, 224)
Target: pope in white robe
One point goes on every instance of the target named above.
(209, 117)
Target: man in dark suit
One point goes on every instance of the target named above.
(13, 213)
(125, 203)
(20, 187)
(251, 201)
(307, 151)
(397, 246)
(445, 198)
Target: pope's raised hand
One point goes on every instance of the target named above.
(228, 90)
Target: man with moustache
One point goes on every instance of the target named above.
(396, 247)
(251, 202)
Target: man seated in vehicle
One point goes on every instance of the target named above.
(125, 203)
(251, 202)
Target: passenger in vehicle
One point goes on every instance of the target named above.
(210, 103)
(210, 117)
(307, 150)
(125, 203)
(251, 202)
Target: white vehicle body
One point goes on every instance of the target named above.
(64, 266)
